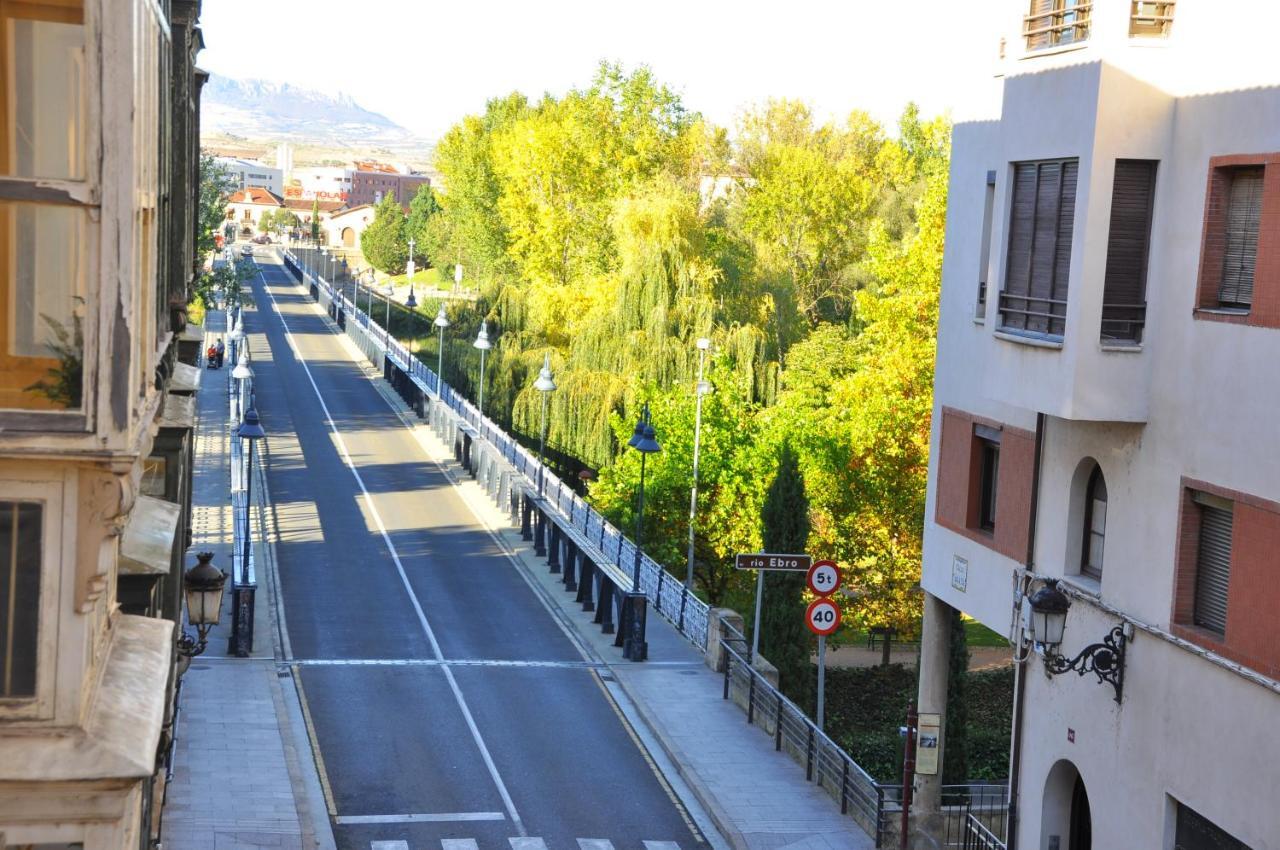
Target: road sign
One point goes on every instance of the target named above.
(763, 561)
(822, 616)
(823, 578)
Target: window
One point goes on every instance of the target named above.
(1052, 23)
(1239, 258)
(984, 255)
(988, 477)
(1213, 562)
(43, 202)
(1124, 288)
(1150, 19)
(1095, 525)
(1041, 219)
(20, 559)
(1196, 832)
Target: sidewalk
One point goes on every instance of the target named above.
(241, 765)
(757, 798)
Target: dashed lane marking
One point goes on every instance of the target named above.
(445, 817)
(389, 845)
(458, 844)
(527, 844)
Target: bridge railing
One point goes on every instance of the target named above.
(668, 595)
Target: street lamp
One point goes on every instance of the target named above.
(412, 304)
(457, 276)
(482, 343)
(545, 385)
(1044, 621)
(701, 389)
(236, 337)
(242, 372)
(441, 322)
(643, 440)
(202, 585)
(250, 431)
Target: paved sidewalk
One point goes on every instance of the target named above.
(758, 798)
(238, 780)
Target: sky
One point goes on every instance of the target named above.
(427, 64)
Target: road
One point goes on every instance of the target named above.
(448, 708)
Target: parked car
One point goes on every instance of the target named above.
(263, 239)
(246, 250)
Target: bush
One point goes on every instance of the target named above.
(865, 706)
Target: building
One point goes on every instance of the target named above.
(246, 209)
(370, 187)
(328, 184)
(1105, 410)
(345, 226)
(98, 241)
(249, 173)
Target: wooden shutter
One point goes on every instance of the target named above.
(1040, 227)
(1213, 563)
(1125, 282)
(1244, 212)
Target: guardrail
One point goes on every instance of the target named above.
(669, 597)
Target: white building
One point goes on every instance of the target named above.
(1105, 414)
(321, 182)
(249, 173)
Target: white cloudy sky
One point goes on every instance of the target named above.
(425, 63)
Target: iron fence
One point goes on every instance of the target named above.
(668, 595)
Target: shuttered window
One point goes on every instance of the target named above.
(1125, 282)
(1041, 219)
(20, 558)
(1244, 213)
(1213, 562)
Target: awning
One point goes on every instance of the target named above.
(146, 547)
(179, 412)
(186, 379)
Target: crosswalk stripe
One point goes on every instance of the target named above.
(389, 845)
(527, 844)
(661, 845)
(458, 844)
(595, 844)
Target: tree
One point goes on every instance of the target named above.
(211, 211)
(315, 219)
(422, 210)
(384, 243)
(955, 765)
(784, 640)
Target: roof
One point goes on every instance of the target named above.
(255, 195)
(304, 204)
(348, 210)
(374, 165)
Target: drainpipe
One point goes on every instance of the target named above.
(1019, 681)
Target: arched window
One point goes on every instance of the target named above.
(1095, 525)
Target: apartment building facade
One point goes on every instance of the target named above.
(1105, 409)
(250, 174)
(98, 182)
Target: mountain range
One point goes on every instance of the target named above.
(268, 110)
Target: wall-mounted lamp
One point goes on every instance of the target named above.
(1044, 621)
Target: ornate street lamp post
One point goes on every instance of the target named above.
(643, 440)
(703, 388)
(202, 585)
(545, 385)
(482, 343)
(441, 322)
(242, 372)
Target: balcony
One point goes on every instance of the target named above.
(1057, 23)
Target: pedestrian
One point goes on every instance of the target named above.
(211, 357)
(221, 350)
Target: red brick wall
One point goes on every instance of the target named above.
(1266, 284)
(1253, 595)
(959, 483)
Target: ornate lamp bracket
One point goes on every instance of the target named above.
(1105, 660)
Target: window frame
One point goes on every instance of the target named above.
(1258, 173)
(56, 540)
(85, 194)
(1050, 317)
(1203, 500)
(987, 491)
(1088, 569)
(1038, 37)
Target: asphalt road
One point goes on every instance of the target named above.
(481, 721)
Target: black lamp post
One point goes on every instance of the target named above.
(545, 385)
(412, 304)
(1046, 623)
(441, 322)
(643, 440)
(250, 431)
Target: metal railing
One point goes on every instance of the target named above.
(1150, 19)
(978, 837)
(1057, 23)
(1123, 322)
(1033, 314)
(666, 592)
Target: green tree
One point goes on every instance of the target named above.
(955, 765)
(315, 219)
(784, 639)
(383, 242)
(422, 209)
(211, 210)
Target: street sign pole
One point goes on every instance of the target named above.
(755, 631)
(822, 618)
(822, 676)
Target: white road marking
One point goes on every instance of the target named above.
(661, 845)
(527, 844)
(447, 817)
(458, 844)
(389, 845)
(507, 802)
(595, 844)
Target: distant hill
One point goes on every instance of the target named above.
(272, 111)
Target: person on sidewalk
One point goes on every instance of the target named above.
(211, 357)
(222, 350)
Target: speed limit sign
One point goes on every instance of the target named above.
(822, 616)
(824, 577)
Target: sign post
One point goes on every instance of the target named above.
(822, 617)
(761, 561)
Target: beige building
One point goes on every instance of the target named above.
(1105, 416)
(98, 175)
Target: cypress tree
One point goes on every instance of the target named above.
(955, 766)
(784, 639)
